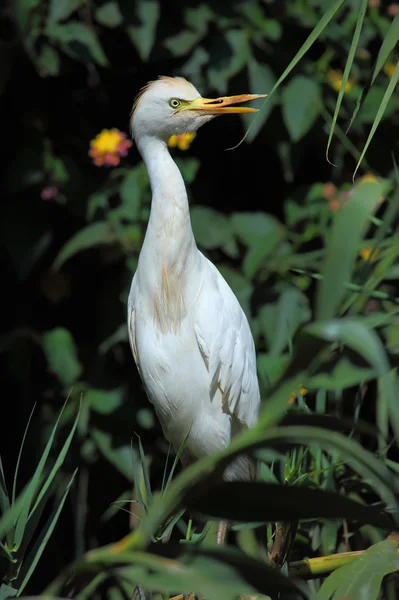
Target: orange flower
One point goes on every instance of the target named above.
(108, 147)
(335, 78)
(181, 141)
(365, 253)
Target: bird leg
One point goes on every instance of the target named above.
(138, 593)
(221, 533)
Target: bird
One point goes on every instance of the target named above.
(189, 336)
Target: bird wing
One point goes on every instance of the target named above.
(227, 348)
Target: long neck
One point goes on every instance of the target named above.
(169, 232)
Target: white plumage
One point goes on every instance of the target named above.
(190, 338)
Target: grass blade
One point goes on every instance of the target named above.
(14, 485)
(355, 41)
(380, 113)
(34, 555)
(145, 472)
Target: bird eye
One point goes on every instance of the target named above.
(174, 103)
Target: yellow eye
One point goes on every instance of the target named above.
(174, 103)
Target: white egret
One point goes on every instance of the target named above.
(189, 335)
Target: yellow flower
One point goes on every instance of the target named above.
(365, 253)
(335, 78)
(303, 391)
(181, 141)
(108, 146)
(389, 69)
(370, 178)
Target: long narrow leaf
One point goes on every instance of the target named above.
(355, 41)
(34, 555)
(145, 472)
(387, 96)
(14, 485)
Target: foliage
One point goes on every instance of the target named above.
(310, 252)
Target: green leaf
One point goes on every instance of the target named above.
(79, 41)
(269, 502)
(119, 456)
(109, 14)
(48, 61)
(301, 105)
(60, 10)
(95, 234)
(280, 321)
(6, 591)
(363, 4)
(188, 168)
(254, 227)
(34, 555)
(343, 375)
(130, 193)
(211, 228)
(350, 225)
(181, 43)
(261, 81)
(61, 354)
(143, 36)
(4, 500)
(104, 402)
(381, 110)
(240, 51)
(362, 578)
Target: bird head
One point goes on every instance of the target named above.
(172, 106)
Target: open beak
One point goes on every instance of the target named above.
(224, 105)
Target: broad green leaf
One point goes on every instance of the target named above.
(211, 228)
(188, 168)
(363, 4)
(181, 43)
(343, 245)
(381, 110)
(261, 81)
(362, 578)
(130, 193)
(34, 555)
(301, 105)
(280, 321)
(48, 61)
(60, 10)
(143, 35)
(95, 234)
(6, 591)
(271, 368)
(109, 15)
(61, 354)
(119, 456)
(269, 502)
(104, 402)
(240, 51)
(251, 227)
(79, 41)
(343, 375)
(258, 253)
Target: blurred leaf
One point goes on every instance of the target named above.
(281, 320)
(188, 168)
(109, 15)
(211, 228)
(6, 591)
(60, 10)
(240, 51)
(104, 402)
(363, 577)
(271, 368)
(269, 502)
(119, 456)
(94, 234)
(301, 105)
(61, 354)
(130, 192)
(143, 36)
(33, 558)
(350, 225)
(181, 43)
(48, 61)
(95, 201)
(254, 227)
(344, 374)
(256, 255)
(79, 41)
(4, 500)
(261, 81)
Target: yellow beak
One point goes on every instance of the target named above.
(224, 105)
